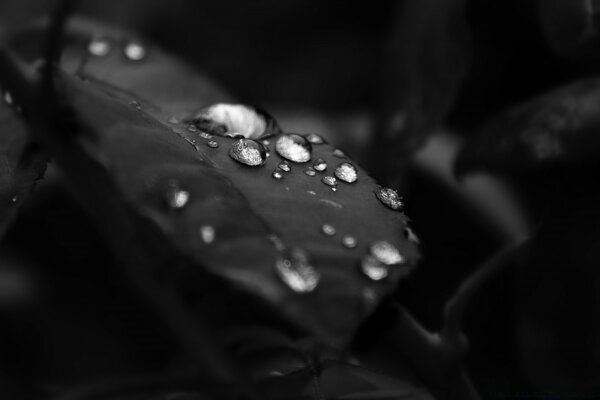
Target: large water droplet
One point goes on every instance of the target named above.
(386, 253)
(248, 152)
(212, 144)
(277, 174)
(373, 268)
(285, 166)
(207, 233)
(328, 230)
(329, 181)
(134, 51)
(346, 172)
(315, 139)
(390, 198)
(349, 242)
(320, 165)
(294, 148)
(294, 269)
(99, 47)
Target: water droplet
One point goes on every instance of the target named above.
(329, 180)
(192, 128)
(339, 153)
(8, 99)
(295, 271)
(386, 253)
(294, 148)
(320, 165)
(390, 198)
(207, 233)
(234, 119)
(15, 198)
(234, 135)
(99, 47)
(349, 242)
(279, 246)
(212, 144)
(346, 172)
(205, 135)
(312, 192)
(285, 166)
(310, 172)
(315, 139)
(266, 142)
(411, 236)
(373, 268)
(134, 51)
(277, 174)
(136, 104)
(268, 154)
(328, 229)
(173, 120)
(248, 152)
(176, 197)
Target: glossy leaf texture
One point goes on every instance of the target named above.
(263, 235)
(558, 128)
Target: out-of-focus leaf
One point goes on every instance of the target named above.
(152, 160)
(557, 128)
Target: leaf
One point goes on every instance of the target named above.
(558, 128)
(151, 162)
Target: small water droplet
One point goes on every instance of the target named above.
(339, 153)
(173, 120)
(268, 154)
(390, 198)
(277, 174)
(8, 99)
(212, 144)
(312, 192)
(205, 135)
(234, 135)
(266, 142)
(294, 269)
(134, 51)
(192, 128)
(386, 253)
(315, 139)
(294, 148)
(320, 165)
(279, 246)
(310, 172)
(329, 180)
(346, 172)
(99, 47)
(15, 198)
(373, 268)
(248, 152)
(176, 197)
(207, 233)
(328, 229)
(349, 242)
(285, 166)
(411, 236)
(136, 104)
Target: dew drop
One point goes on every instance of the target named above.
(294, 148)
(192, 128)
(8, 99)
(349, 242)
(15, 198)
(134, 51)
(99, 47)
(320, 165)
(212, 144)
(390, 198)
(279, 246)
(329, 181)
(277, 174)
(411, 236)
(266, 142)
(248, 152)
(312, 192)
(373, 268)
(339, 153)
(173, 120)
(176, 197)
(328, 230)
(315, 139)
(295, 271)
(346, 172)
(205, 135)
(285, 166)
(136, 104)
(386, 253)
(207, 233)
(310, 172)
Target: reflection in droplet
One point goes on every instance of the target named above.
(346, 172)
(207, 233)
(134, 51)
(212, 144)
(277, 174)
(294, 269)
(248, 152)
(285, 166)
(320, 165)
(328, 229)
(386, 253)
(390, 198)
(339, 153)
(329, 181)
(349, 242)
(294, 148)
(99, 47)
(315, 139)
(373, 268)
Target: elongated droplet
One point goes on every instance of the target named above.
(328, 230)
(285, 166)
(294, 148)
(315, 139)
(346, 172)
(294, 269)
(205, 135)
(99, 47)
(320, 165)
(8, 99)
(310, 172)
(192, 128)
(277, 174)
(329, 181)
(248, 152)
(212, 144)
(390, 198)
(207, 233)
(349, 242)
(134, 51)
(339, 153)
(411, 236)
(266, 142)
(373, 268)
(386, 253)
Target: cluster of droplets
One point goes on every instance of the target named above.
(101, 47)
(382, 256)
